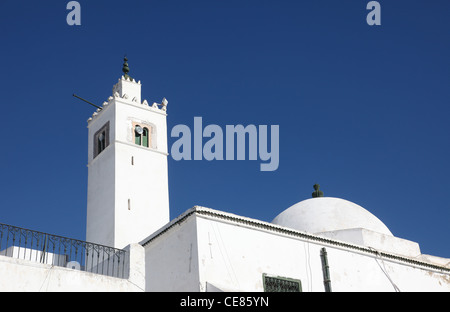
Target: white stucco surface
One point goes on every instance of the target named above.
(210, 250)
(23, 275)
(324, 214)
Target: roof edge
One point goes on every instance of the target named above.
(258, 224)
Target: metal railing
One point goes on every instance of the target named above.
(61, 251)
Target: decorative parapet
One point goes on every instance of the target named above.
(130, 98)
(129, 79)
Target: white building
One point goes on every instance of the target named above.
(319, 244)
(128, 192)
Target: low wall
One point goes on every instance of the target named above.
(18, 275)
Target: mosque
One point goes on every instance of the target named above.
(321, 244)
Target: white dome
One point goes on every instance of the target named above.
(324, 214)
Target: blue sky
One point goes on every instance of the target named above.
(362, 110)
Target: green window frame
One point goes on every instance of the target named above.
(281, 284)
(137, 136)
(145, 137)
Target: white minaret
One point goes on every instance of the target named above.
(128, 193)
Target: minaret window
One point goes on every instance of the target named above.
(138, 134)
(101, 139)
(141, 136)
(145, 137)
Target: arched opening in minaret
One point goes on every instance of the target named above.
(145, 137)
(142, 136)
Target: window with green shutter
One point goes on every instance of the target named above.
(145, 137)
(281, 284)
(142, 136)
(137, 134)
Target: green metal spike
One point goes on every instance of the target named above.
(125, 68)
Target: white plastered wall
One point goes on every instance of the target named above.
(204, 252)
(235, 257)
(19, 275)
(171, 259)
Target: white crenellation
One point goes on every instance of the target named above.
(133, 93)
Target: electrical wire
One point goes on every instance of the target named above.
(383, 269)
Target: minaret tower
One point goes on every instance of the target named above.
(128, 193)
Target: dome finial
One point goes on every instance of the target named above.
(317, 192)
(125, 67)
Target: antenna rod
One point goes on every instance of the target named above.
(86, 101)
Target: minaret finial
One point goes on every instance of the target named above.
(317, 192)
(125, 67)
